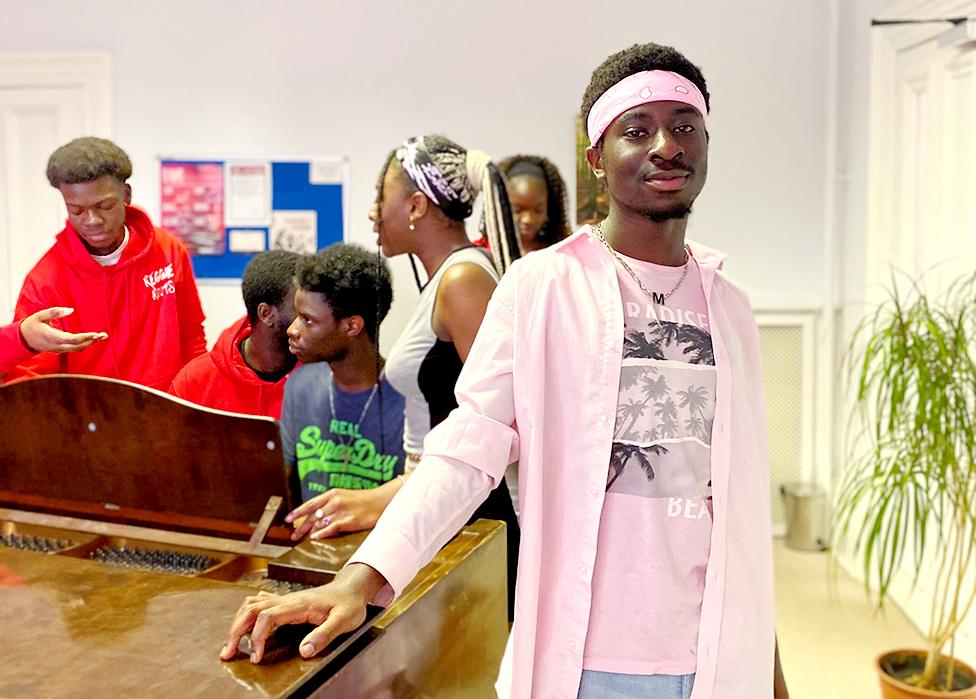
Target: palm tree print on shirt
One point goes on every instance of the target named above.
(664, 412)
(654, 385)
(667, 415)
(621, 454)
(691, 345)
(696, 399)
(670, 409)
(632, 410)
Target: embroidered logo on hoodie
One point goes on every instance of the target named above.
(160, 282)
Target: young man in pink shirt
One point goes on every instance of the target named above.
(632, 402)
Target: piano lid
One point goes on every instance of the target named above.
(113, 450)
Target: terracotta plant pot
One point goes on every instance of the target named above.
(892, 688)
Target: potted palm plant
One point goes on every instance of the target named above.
(908, 500)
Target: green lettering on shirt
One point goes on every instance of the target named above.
(357, 466)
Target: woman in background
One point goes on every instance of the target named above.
(537, 193)
(425, 193)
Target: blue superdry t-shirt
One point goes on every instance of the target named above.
(358, 447)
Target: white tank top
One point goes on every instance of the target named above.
(424, 368)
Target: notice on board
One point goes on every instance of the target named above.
(246, 241)
(248, 194)
(296, 231)
(327, 171)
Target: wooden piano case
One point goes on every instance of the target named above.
(133, 524)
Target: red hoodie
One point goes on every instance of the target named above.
(147, 303)
(12, 348)
(221, 379)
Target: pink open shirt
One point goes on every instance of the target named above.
(540, 387)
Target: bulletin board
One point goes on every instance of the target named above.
(227, 210)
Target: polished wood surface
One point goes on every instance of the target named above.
(316, 562)
(111, 450)
(445, 636)
(79, 628)
(75, 627)
(99, 476)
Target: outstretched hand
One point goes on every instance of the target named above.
(40, 336)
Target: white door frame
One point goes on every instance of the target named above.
(886, 44)
(92, 72)
(86, 74)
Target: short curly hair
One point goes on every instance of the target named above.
(354, 282)
(87, 159)
(636, 59)
(267, 279)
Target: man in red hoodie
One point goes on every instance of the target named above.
(246, 370)
(122, 276)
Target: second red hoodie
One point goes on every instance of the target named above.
(12, 348)
(221, 379)
(147, 303)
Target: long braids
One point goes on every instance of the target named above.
(499, 223)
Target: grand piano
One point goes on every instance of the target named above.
(133, 524)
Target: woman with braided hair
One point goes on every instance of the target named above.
(538, 196)
(426, 190)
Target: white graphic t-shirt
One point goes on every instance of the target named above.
(656, 523)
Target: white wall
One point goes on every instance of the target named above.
(322, 78)
(852, 149)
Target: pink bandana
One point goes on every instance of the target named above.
(641, 88)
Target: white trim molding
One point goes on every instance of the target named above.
(45, 100)
(89, 72)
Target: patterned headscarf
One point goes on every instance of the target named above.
(452, 177)
(445, 183)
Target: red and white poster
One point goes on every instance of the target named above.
(192, 205)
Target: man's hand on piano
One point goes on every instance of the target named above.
(335, 608)
(338, 511)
